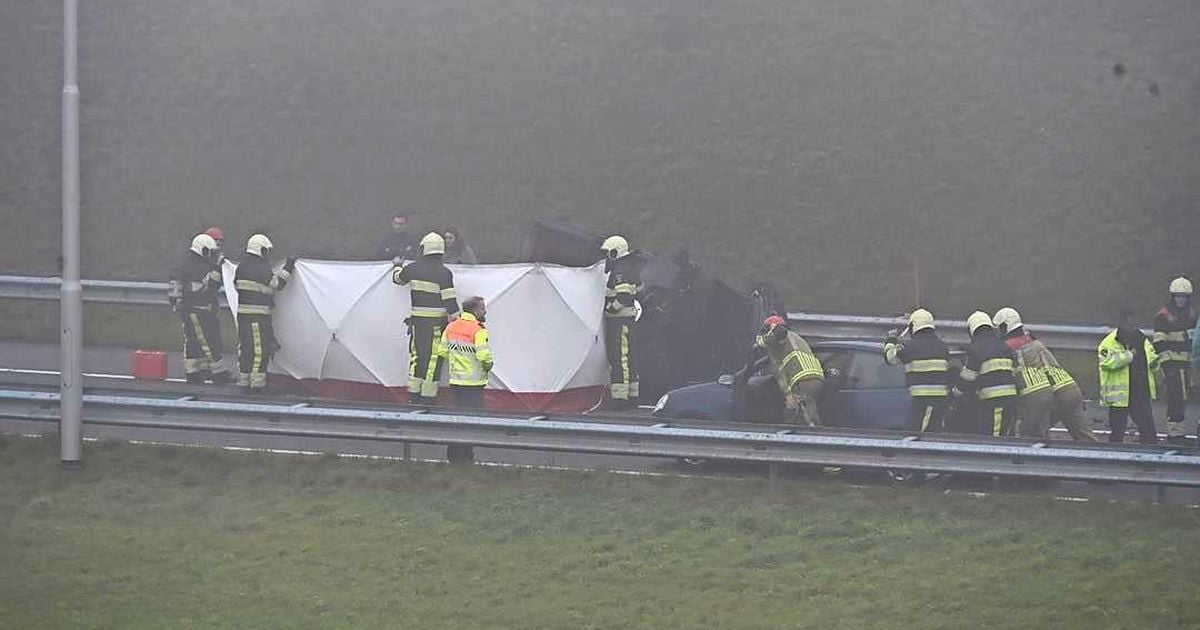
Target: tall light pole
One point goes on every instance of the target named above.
(71, 303)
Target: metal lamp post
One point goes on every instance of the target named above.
(71, 314)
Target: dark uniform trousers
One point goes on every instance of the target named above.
(996, 417)
(927, 413)
(1175, 377)
(256, 346)
(620, 344)
(202, 357)
(1143, 417)
(424, 366)
(467, 397)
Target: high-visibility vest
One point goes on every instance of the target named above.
(1115, 359)
(465, 347)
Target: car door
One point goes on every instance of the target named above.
(873, 394)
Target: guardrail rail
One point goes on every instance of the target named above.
(816, 325)
(290, 421)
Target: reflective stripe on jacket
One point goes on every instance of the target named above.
(1115, 359)
(926, 364)
(1037, 368)
(793, 359)
(257, 283)
(1173, 335)
(989, 367)
(465, 347)
(624, 284)
(430, 287)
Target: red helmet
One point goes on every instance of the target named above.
(774, 321)
(216, 233)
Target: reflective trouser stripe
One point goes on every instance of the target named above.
(625, 374)
(424, 364)
(204, 347)
(925, 419)
(997, 420)
(428, 311)
(256, 334)
(620, 347)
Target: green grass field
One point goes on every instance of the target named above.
(158, 537)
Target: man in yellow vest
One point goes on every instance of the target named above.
(465, 349)
(1127, 364)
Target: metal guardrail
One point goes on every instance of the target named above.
(815, 325)
(1058, 336)
(301, 421)
(104, 291)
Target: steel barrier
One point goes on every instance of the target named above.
(815, 325)
(188, 418)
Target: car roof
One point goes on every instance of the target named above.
(848, 344)
(860, 344)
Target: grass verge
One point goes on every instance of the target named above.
(153, 537)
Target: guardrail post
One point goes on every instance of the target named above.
(407, 450)
(1160, 497)
(772, 477)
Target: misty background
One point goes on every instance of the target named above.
(1040, 154)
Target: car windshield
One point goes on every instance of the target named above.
(868, 371)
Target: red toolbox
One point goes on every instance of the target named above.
(150, 365)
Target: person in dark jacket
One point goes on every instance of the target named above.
(194, 298)
(926, 363)
(458, 252)
(431, 290)
(257, 283)
(988, 373)
(399, 244)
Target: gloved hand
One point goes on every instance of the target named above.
(792, 402)
(893, 336)
(398, 261)
(290, 265)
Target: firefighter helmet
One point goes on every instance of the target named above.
(259, 245)
(1181, 286)
(920, 319)
(978, 320)
(204, 245)
(433, 243)
(615, 247)
(217, 234)
(1007, 319)
(774, 321)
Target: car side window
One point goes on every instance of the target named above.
(869, 371)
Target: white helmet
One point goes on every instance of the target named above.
(433, 243)
(1007, 319)
(978, 320)
(615, 247)
(259, 245)
(920, 319)
(204, 245)
(1181, 286)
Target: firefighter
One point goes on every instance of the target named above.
(1048, 393)
(194, 297)
(257, 283)
(797, 370)
(926, 361)
(988, 374)
(1173, 330)
(469, 356)
(431, 291)
(620, 322)
(1127, 364)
